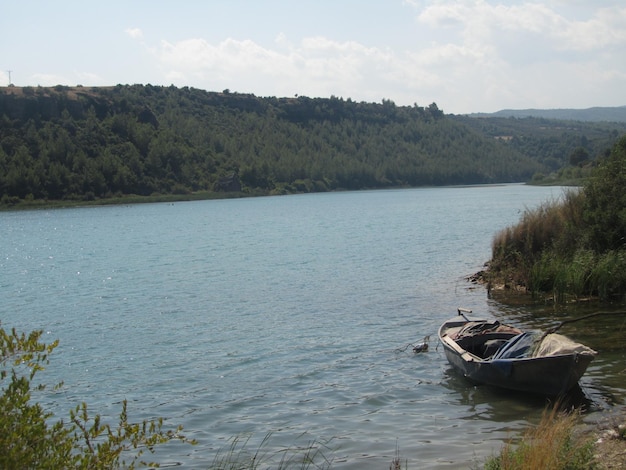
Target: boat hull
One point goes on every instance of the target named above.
(546, 375)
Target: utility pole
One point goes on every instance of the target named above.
(9, 71)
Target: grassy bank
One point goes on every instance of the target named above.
(27, 204)
(571, 248)
(552, 444)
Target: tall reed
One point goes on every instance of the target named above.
(241, 456)
(516, 250)
(550, 251)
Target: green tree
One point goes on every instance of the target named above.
(30, 439)
(605, 202)
(578, 156)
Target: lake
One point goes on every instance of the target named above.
(286, 316)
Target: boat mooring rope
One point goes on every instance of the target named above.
(554, 329)
(417, 347)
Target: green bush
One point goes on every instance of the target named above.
(29, 436)
(609, 274)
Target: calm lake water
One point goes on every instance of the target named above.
(284, 315)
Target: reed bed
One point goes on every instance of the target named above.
(550, 252)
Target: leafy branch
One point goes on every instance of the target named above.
(28, 438)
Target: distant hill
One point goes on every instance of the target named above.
(89, 143)
(596, 114)
(551, 142)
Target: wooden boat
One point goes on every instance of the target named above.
(492, 353)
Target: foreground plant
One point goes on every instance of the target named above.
(551, 444)
(240, 456)
(29, 438)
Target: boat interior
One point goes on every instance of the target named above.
(485, 346)
(482, 339)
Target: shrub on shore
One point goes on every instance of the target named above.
(572, 247)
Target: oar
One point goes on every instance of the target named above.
(462, 311)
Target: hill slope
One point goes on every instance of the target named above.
(85, 143)
(554, 143)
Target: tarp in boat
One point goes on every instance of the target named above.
(534, 344)
(519, 346)
(555, 344)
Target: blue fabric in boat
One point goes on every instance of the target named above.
(516, 347)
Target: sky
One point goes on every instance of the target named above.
(465, 55)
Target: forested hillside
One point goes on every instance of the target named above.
(84, 143)
(553, 143)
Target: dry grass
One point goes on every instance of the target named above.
(554, 222)
(552, 444)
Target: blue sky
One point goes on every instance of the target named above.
(465, 55)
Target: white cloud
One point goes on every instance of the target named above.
(483, 22)
(524, 54)
(89, 78)
(607, 28)
(467, 55)
(316, 65)
(197, 55)
(45, 79)
(135, 33)
(281, 40)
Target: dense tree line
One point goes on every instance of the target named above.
(86, 143)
